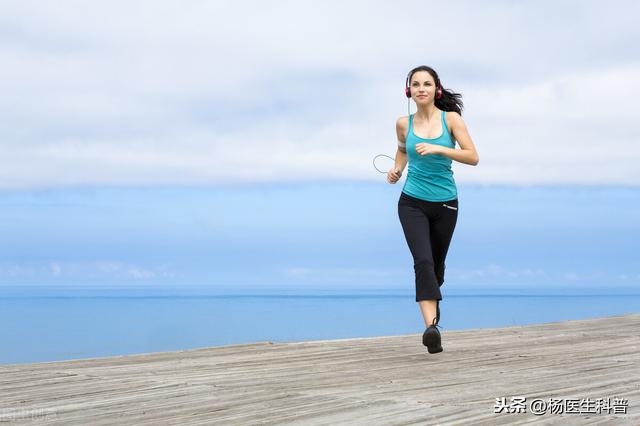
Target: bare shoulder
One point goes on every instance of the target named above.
(453, 119)
(402, 126)
(402, 122)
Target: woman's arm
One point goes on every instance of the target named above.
(467, 154)
(401, 153)
(401, 160)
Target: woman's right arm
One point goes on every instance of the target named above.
(401, 153)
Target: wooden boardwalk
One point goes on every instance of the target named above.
(368, 381)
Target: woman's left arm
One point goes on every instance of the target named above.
(467, 154)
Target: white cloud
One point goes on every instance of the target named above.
(328, 274)
(494, 271)
(499, 275)
(84, 269)
(166, 92)
(56, 269)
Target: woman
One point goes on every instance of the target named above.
(428, 204)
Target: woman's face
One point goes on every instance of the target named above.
(423, 87)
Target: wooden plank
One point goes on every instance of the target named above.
(384, 380)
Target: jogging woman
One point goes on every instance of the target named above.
(428, 204)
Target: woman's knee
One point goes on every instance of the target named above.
(422, 263)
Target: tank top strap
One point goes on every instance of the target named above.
(444, 122)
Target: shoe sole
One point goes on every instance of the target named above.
(431, 340)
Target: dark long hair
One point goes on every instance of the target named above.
(449, 101)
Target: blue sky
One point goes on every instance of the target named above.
(229, 143)
(341, 235)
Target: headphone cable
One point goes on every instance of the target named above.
(384, 155)
(374, 162)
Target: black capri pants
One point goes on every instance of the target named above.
(428, 227)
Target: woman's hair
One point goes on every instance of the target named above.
(449, 101)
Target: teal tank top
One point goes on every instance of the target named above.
(430, 177)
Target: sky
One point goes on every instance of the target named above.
(199, 93)
(230, 143)
(336, 236)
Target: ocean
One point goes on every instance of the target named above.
(41, 324)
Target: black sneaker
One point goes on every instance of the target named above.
(431, 338)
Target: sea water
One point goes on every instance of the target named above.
(51, 324)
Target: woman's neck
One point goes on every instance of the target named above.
(426, 112)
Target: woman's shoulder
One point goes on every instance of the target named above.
(402, 127)
(402, 122)
(452, 117)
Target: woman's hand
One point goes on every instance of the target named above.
(393, 175)
(424, 148)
